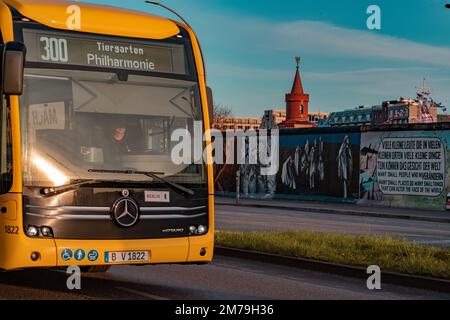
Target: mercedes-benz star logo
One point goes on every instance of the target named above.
(125, 212)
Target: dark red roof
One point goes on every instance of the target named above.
(297, 88)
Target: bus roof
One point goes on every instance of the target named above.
(96, 19)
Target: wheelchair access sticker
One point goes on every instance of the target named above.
(66, 254)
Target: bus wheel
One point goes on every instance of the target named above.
(95, 269)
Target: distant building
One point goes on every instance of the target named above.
(422, 114)
(379, 115)
(297, 103)
(396, 112)
(273, 118)
(351, 117)
(405, 111)
(443, 118)
(401, 111)
(317, 117)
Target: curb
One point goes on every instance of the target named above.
(418, 282)
(341, 212)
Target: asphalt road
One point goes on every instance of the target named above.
(224, 279)
(236, 279)
(237, 218)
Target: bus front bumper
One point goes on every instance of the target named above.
(64, 253)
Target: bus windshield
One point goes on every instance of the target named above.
(75, 123)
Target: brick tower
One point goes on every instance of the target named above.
(297, 103)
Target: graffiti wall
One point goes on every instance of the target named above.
(405, 168)
(319, 166)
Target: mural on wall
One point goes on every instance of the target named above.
(312, 166)
(225, 174)
(405, 168)
(393, 168)
(319, 165)
(308, 160)
(345, 164)
(252, 182)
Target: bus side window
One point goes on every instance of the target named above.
(5, 142)
(5, 148)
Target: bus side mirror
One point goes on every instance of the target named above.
(210, 98)
(13, 63)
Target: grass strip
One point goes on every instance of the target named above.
(391, 254)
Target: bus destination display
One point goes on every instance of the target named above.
(54, 47)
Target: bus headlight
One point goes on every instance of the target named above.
(32, 231)
(192, 229)
(201, 229)
(46, 232)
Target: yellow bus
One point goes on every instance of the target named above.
(91, 97)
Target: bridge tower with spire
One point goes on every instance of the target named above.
(297, 104)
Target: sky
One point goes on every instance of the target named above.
(250, 47)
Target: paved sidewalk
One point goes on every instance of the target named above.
(340, 208)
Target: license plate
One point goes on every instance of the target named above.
(127, 256)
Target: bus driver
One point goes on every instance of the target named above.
(116, 143)
(119, 141)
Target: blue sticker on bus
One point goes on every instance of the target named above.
(93, 255)
(106, 257)
(80, 254)
(66, 254)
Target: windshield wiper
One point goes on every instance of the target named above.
(50, 191)
(153, 175)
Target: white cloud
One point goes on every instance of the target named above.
(369, 75)
(373, 75)
(328, 39)
(317, 37)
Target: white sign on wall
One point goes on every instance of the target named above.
(48, 116)
(411, 166)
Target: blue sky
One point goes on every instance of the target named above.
(250, 47)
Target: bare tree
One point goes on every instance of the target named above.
(220, 112)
